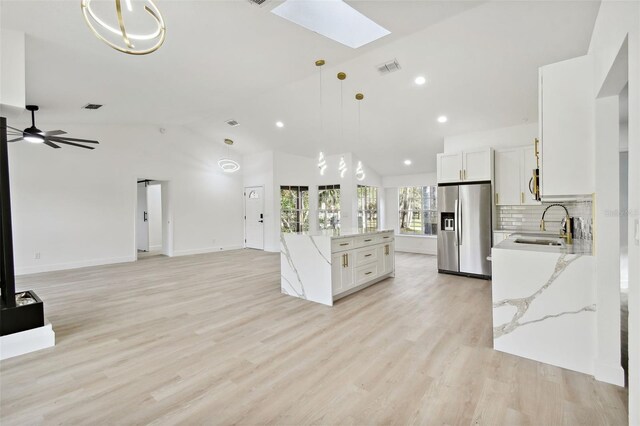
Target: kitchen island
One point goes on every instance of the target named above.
(544, 301)
(325, 266)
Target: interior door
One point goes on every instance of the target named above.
(254, 217)
(142, 219)
(474, 223)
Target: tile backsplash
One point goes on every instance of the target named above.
(527, 218)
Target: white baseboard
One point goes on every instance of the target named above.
(24, 270)
(27, 341)
(205, 250)
(418, 251)
(155, 248)
(609, 373)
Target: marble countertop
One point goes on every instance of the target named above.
(578, 246)
(340, 233)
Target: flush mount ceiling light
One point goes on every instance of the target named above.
(226, 163)
(420, 80)
(333, 19)
(442, 119)
(118, 38)
(51, 138)
(279, 124)
(407, 162)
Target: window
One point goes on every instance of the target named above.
(367, 207)
(294, 208)
(329, 207)
(418, 210)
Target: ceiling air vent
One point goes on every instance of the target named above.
(232, 123)
(258, 2)
(388, 67)
(92, 106)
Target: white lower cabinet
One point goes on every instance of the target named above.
(341, 272)
(363, 261)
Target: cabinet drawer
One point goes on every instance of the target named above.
(366, 273)
(341, 244)
(366, 240)
(366, 255)
(386, 237)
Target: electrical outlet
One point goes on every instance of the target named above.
(37, 255)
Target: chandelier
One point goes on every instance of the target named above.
(226, 163)
(119, 38)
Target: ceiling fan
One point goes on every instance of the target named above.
(51, 138)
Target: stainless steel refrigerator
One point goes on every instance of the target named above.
(464, 229)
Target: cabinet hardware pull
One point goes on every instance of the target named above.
(368, 273)
(344, 244)
(497, 198)
(460, 174)
(366, 241)
(464, 174)
(386, 249)
(343, 263)
(367, 255)
(522, 198)
(346, 256)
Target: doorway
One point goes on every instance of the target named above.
(152, 231)
(254, 217)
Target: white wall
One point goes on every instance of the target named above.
(615, 22)
(12, 73)
(154, 208)
(513, 136)
(406, 243)
(76, 207)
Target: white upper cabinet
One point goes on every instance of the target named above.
(449, 167)
(513, 176)
(508, 182)
(466, 166)
(567, 108)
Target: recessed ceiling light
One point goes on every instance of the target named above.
(407, 162)
(442, 119)
(420, 80)
(279, 124)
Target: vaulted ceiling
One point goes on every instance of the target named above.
(233, 59)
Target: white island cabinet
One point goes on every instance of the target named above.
(325, 266)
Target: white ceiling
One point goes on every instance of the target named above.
(232, 59)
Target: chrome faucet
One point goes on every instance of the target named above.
(565, 231)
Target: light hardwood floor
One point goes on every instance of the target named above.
(210, 339)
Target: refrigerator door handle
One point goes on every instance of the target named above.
(460, 222)
(455, 221)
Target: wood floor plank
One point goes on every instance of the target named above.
(209, 339)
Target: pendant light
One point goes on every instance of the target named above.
(342, 167)
(118, 38)
(226, 163)
(360, 175)
(322, 162)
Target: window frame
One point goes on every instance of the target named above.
(329, 212)
(364, 213)
(299, 210)
(423, 212)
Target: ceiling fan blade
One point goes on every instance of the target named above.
(51, 144)
(13, 128)
(15, 140)
(55, 132)
(64, 138)
(74, 144)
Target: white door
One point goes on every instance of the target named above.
(254, 217)
(142, 219)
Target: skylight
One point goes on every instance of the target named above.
(333, 19)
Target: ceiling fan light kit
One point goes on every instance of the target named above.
(51, 138)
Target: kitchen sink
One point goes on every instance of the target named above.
(540, 242)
